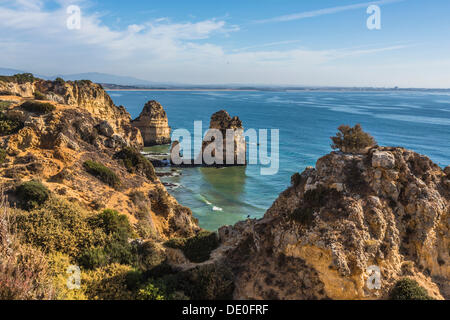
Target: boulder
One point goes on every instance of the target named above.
(383, 159)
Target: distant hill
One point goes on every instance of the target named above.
(93, 76)
(9, 72)
(105, 78)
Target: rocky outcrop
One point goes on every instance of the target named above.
(224, 151)
(52, 147)
(81, 95)
(153, 124)
(351, 214)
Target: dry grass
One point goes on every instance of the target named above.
(24, 273)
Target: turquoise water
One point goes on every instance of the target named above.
(416, 120)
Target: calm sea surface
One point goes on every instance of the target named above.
(416, 120)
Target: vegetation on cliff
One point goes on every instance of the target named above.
(408, 289)
(134, 161)
(38, 107)
(103, 173)
(20, 78)
(354, 139)
(198, 248)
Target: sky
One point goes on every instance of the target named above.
(266, 42)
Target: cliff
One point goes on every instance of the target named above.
(388, 208)
(153, 124)
(81, 95)
(53, 146)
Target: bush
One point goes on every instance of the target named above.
(38, 107)
(112, 223)
(103, 173)
(118, 229)
(107, 283)
(38, 95)
(408, 289)
(196, 249)
(32, 194)
(93, 258)
(24, 272)
(208, 282)
(59, 226)
(134, 279)
(59, 81)
(5, 104)
(19, 78)
(150, 292)
(9, 126)
(3, 155)
(22, 78)
(135, 162)
(352, 139)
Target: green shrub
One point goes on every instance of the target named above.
(121, 252)
(32, 194)
(39, 95)
(408, 289)
(103, 173)
(150, 292)
(38, 107)
(93, 258)
(3, 155)
(8, 125)
(118, 230)
(59, 81)
(196, 249)
(134, 279)
(208, 282)
(354, 139)
(20, 78)
(112, 223)
(59, 226)
(107, 283)
(135, 162)
(5, 104)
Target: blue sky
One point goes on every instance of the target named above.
(321, 42)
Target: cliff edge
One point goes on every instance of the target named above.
(387, 209)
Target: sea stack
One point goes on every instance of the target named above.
(153, 124)
(222, 122)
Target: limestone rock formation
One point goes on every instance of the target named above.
(224, 151)
(86, 125)
(388, 208)
(81, 95)
(153, 124)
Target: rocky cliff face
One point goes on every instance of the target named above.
(222, 122)
(388, 208)
(85, 125)
(153, 124)
(81, 95)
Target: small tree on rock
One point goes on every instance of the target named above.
(352, 140)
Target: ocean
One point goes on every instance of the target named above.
(417, 120)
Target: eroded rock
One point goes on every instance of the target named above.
(153, 124)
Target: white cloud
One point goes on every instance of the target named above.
(37, 40)
(326, 11)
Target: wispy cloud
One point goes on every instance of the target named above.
(266, 45)
(326, 11)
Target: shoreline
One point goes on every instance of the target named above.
(242, 90)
